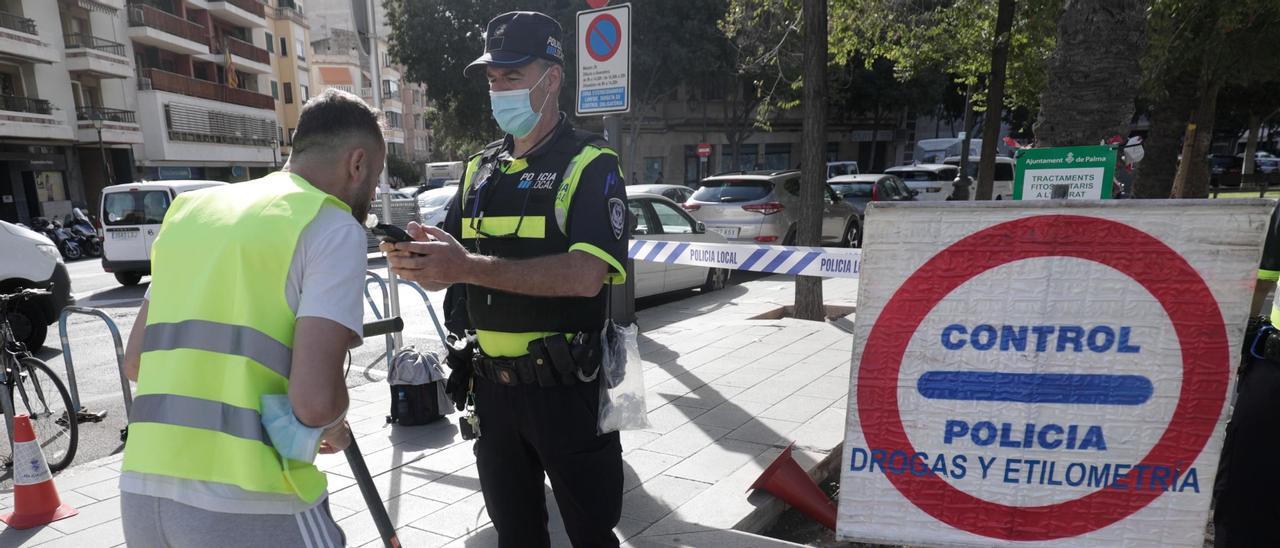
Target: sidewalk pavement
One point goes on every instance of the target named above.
(726, 394)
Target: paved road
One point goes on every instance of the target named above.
(93, 352)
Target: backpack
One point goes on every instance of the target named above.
(418, 393)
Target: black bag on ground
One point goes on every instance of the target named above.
(417, 388)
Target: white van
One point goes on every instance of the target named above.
(1002, 186)
(131, 216)
(32, 261)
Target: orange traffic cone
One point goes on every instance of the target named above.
(786, 480)
(35, 499)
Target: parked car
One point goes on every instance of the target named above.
(762, 206)
(1225, 169)
(656, 217)
(131, 215)
(675, 193)
(433, 204)
(1003, 188)
(32, 261)
(859, 190)
(932, 181)
(844, 167)
(1267, 165)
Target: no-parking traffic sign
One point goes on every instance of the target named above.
(1056, 373)
(604, 60)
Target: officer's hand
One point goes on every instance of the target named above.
(435, 259)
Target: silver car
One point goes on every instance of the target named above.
(655, 217)
(675, 193)
(763, 206)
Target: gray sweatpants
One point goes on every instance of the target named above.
(157, 522)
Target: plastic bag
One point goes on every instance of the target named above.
(622, 405)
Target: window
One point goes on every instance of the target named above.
(284, 47)
(748, 160)
(288, 93)
(271, 43)
(306, 93)
(393, 119)
(777, 156)
(833, 151)
(653, 170)
(299, 50)
(281, 136)
(732, 190)
(135, 208)
(290, 140)
(275, 88)
(672, 221)
(641, 225)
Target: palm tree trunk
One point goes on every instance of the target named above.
(813, 140)
(1169, 115)
(1093, 74)
(1192, 180)
(995, 99)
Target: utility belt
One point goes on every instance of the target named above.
(551, 361)
(1262, 341)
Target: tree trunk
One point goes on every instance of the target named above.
(1093, 73)
(1192, 180)
(1255, 125)
(960, 187)
(995, 99)
(632, 161)
(1169, 116)
(875, 135)
(813, 180)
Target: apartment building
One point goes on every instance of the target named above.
(67, 118)
(336, 25)
(289, 43)
(203, 98)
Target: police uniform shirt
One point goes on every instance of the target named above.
(593, 224)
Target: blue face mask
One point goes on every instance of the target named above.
(513, 111)
(291, 438)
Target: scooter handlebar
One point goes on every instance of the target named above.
(383, 327)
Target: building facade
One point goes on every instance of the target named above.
(203, 83)
(289, 43)
(67, 111)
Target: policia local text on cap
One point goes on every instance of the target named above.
(536, 233)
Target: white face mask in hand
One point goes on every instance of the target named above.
(292, 439)
(513, 111)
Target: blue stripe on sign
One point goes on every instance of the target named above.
(1035, 387)
(657, 248)
(753, 258)
(777, 261)
(803, 263)
(635, 248)
(676, 254)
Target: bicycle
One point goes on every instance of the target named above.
(41, 394)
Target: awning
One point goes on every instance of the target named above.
(335, 76)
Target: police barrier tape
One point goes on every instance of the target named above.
(826, 262)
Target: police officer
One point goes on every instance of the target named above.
(1247, 511)
(537, 233)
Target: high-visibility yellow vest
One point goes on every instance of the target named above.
(219, 336)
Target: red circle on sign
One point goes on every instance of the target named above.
(597, 3)
(1192, 309)
(593, 29)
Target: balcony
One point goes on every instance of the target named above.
(96, 56)
(156, 79)
(29, 105)
(118, 126)
(244, 13)
(293, 12)
(156, 27)
(18, 38)
(250, 58)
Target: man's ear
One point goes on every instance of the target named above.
(357, 163)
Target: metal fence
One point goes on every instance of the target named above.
(84, 40)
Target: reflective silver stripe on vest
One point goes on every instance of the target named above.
(222, 338)
(178, 410)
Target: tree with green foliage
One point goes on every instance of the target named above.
(403, 171)
(761, 72)
(1196, 49)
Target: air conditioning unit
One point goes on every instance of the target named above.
(144, 83)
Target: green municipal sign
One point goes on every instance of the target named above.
(1074, 173)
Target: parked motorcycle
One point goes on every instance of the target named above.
(67, 243)
(82, 228)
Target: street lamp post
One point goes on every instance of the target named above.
(96, 117)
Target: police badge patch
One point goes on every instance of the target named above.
(617, 217)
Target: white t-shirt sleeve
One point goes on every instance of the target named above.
(328, 271)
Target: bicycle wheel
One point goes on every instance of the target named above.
(38, 393)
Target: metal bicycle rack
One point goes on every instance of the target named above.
(373, 277)
(83, 415)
